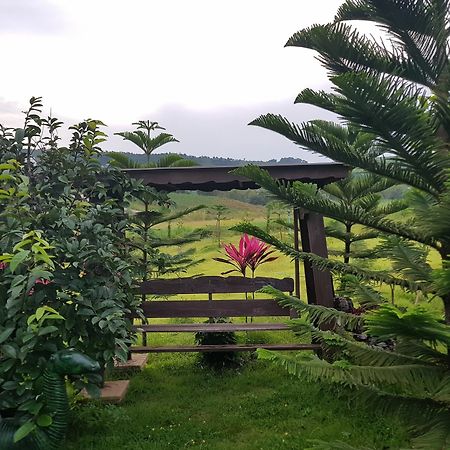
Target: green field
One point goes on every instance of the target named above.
(208, 248)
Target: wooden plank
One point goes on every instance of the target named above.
(319, 284)
(213, 284)
(210, 327)
(216, 308)
(224, 348)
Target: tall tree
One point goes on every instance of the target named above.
(399, 94)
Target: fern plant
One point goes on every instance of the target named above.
(398, 94)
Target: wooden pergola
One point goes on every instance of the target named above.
(308, 227)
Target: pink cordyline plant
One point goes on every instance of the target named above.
(251, 254)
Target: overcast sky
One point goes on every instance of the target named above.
(201, 68)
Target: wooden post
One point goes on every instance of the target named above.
(319, 284)
(297, 248)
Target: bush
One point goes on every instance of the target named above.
(70, 284)
(218, 360)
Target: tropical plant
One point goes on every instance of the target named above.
(147, 241)
(399, 95)
(122, 161)
(280, 211)
(218, 360)
(360, 189)
(251, 253)
(142, 137)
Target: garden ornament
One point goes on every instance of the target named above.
(60, 364)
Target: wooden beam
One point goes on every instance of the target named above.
(297, 247)
(224, 348)
(319, 284)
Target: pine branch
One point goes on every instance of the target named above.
(317, 314)
(301, 195)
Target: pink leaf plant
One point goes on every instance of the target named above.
(251, 254)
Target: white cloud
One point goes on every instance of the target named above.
(120, 61)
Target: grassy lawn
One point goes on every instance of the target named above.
(175, 404)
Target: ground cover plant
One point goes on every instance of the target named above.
(397, 95)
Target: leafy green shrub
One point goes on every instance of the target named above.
(218, 360)
(70, 284)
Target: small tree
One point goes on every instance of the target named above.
(142, 137)
(220, 213)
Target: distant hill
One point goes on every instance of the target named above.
(208, 160)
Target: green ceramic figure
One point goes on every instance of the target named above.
(64, 362)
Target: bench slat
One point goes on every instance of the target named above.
(210, 327)
(215, 308)
(223, 348)
(212, 285)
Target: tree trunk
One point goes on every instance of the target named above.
(348, 243)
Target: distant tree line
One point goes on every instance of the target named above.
(202, 160)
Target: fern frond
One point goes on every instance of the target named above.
(358, 353)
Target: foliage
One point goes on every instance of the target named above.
(144, 239)
(218, 360)
(360, 189)
(398, 95)
(251, 254)
(220, 212)
(122, 161)
(143, 139)
(69, 284)
(147, 242)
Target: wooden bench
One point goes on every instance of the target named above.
(210, 308)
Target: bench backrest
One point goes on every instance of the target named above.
(210, 307)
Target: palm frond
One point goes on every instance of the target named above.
(358, 353)
(175, 160)
(361, 292)
(388, 322)
(122, 161)
(407, 259)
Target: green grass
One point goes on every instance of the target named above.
(175, 404)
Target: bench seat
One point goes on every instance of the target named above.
(157, 308)
(223, 348)
(209, 327)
